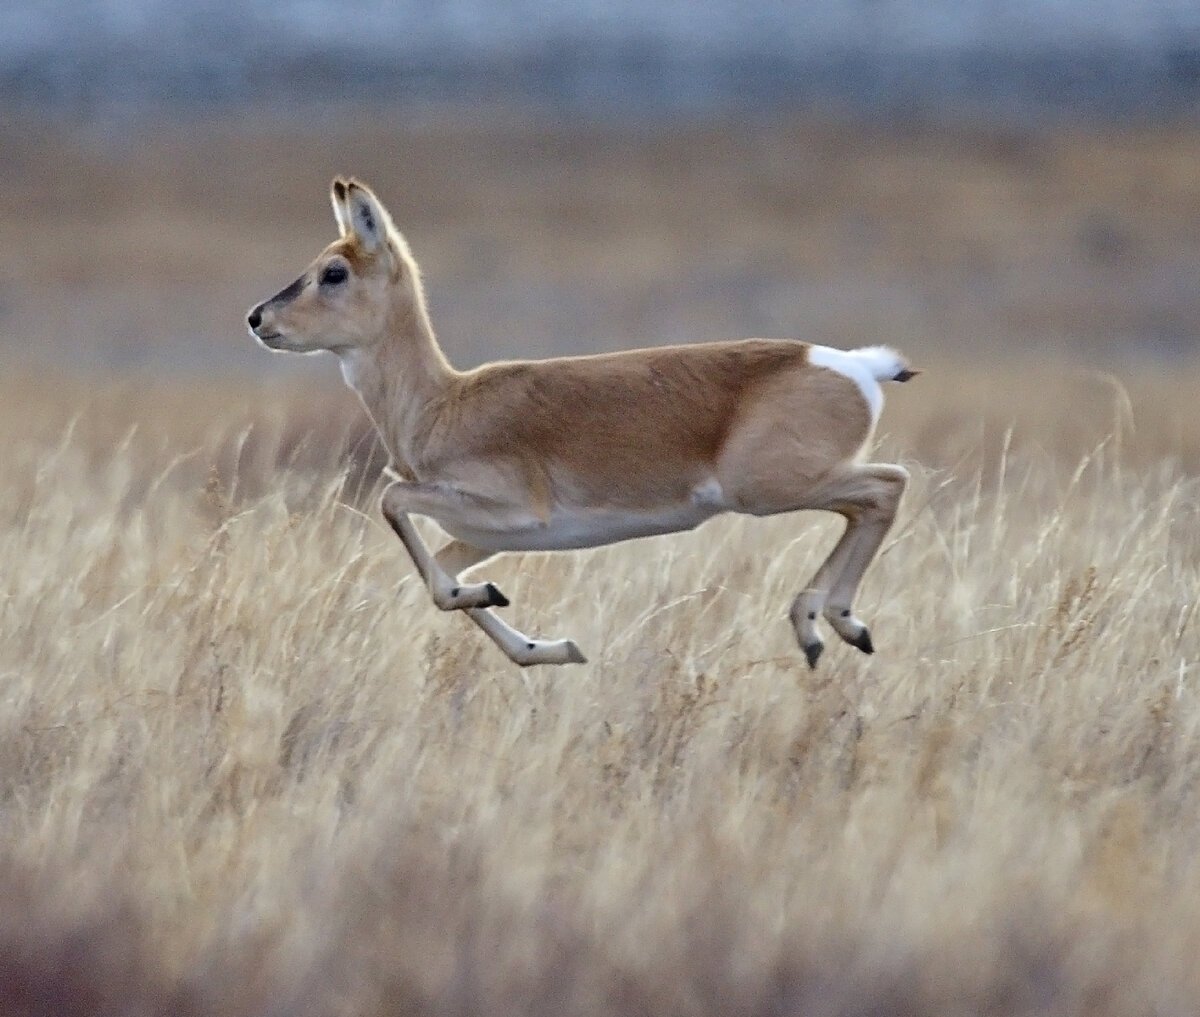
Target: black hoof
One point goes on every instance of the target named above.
(495, 597)
(812, 653)
(863, 642)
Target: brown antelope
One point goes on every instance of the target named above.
(582, 451)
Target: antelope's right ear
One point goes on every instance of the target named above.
(338, 195)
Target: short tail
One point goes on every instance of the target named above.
(884, 363)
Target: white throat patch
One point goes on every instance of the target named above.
(352, 363)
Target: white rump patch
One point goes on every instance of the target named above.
(883, 362)
(863, 367)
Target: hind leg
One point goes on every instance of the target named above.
(887, 484)
(795, 446)
(810, 602)
(868, 496)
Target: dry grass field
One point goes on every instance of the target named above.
(247, 768)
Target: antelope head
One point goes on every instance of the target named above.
(361, 288)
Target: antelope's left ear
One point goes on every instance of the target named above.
(368, 220)
(341, 211)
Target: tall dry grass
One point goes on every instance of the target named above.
(245, 767)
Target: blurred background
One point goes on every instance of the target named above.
(972, 180)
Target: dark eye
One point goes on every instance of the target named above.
(334, 275)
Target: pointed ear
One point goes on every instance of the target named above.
(341, 210)
(369, 220)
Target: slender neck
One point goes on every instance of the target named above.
(400, 379)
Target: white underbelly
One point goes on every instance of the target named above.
(566, 530)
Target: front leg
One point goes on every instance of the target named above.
(457, 557)
(440, 572)
(403, 497)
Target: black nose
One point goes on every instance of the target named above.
(255, 318)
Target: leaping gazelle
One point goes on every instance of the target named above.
(582, 451)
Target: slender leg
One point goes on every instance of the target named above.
(447, 593)
(879, 513)
(522, 649)
(868, 497)
(439, 572)
(811, 601)
(457, 557)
